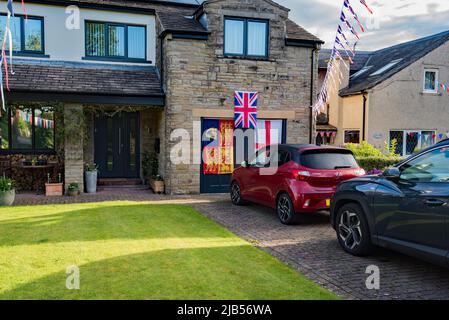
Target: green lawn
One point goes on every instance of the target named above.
(128, 250)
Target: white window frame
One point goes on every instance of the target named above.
(404, 139)
(436, 71)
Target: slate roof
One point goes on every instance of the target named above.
(408, 52)
(359, 60)
(296, 32)
(84, 78)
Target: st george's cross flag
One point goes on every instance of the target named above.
(245, 111)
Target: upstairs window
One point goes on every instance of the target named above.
(28, 36)
(115, 41)
(430, 81)
(246, 37)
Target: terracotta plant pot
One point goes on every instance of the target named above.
(157, 186)
(53, 189)
(7, 197)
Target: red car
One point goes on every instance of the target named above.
(303, 181)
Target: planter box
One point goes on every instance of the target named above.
(53, 189)
(7, 197)
(157, 186)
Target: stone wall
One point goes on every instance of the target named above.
(73, 148)
(198, 76)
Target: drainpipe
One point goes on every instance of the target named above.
(364, 117)
(312, 86)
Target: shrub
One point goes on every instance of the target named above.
(379, 163)
(6, 184)
(364, 149)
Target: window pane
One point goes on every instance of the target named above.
(430, 81)
(398, 136)
(431, 167)
(328, 160)
(4, 139)
(411, 142)
(44, 128)
(15, 30)
(136, 42)
(116, 41)
(33, 35)
(352, 136)
(257, 38)
(234, 30)
(427, 139)
(21, 120)
(95, 42)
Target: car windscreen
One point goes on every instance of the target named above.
(328, 159)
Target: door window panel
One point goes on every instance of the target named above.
(430, 167)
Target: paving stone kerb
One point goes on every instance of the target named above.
(311, 248)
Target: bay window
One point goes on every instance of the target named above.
(411, 141)
(27, 129)
(115, 41)
(246, 37)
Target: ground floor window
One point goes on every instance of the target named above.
(352, 136)
(27, 129)
(411, 141)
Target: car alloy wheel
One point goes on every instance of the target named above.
(285, 210)
(236, 195)
(350, 231)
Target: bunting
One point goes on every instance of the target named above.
(342, 48)
(7, 42)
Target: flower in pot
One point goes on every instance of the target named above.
(157, 184)
(73, 189)
(7, 191)
(91, 178)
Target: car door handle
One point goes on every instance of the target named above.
(434, 203)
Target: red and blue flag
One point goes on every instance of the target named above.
(245, 112)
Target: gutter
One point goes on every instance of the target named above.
(364, 117)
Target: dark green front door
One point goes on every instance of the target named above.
(117, 145)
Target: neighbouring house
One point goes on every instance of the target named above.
(390, 94)
(114, 89)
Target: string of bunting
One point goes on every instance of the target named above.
(8, 43)
(440, 85)
(344, 47)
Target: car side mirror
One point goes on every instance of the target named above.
(244, 164)
(392, 174)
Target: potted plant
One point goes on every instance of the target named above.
(157, 184)
(73, 189)
(7, 191)
(53, 189)
(156, 181)
(91, 178)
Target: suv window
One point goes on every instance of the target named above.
(328, 160)
(430, 167)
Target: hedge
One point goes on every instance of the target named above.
(381, 163)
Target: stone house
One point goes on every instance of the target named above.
(114, 89)
(389, 95)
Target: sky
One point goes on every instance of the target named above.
(393, 22)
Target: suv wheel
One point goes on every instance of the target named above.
(285, 210)
(352, 230)
(236, 194)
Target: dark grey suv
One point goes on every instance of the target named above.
(404, 209)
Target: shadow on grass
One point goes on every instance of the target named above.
(237, 272)
(106, 222)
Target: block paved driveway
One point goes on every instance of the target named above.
(311, 248)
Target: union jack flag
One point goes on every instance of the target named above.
(245, 112)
